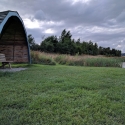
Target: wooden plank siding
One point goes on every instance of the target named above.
(15, 53)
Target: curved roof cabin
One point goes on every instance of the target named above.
(13, 37)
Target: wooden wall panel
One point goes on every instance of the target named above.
(6, 42)
(20, 54)
(11, 42)
(8, 51)
(15, 53)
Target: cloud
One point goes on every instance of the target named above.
(40, 15)
(31, 23)
(101, 21)
(49, 31)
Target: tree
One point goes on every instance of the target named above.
(49, 44)
(84, 47)
(101, 52)
(90, 48)
(31, 40)
(65, 36)
(65, 45)
(95, 49)
(113, 52)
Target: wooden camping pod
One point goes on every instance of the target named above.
(13, 37)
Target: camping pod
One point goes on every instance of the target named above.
(13, 37)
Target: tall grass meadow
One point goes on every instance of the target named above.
(83, 60)
(39, 58)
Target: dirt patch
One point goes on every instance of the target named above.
(12, 69)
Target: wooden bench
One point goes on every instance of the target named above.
(4, 61)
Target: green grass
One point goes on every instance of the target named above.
(63, 95)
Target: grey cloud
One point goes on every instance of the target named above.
(121, 17)
(80, 18)
(40, 15)
(37, 34)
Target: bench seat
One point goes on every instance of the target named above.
(4, 61)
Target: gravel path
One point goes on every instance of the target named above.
(12, 69)
(20, 69)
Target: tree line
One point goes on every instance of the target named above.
(66, 45)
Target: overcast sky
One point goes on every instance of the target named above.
(101, 21)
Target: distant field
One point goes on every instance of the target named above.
(63, 95)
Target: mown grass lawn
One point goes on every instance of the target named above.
(63, 95)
